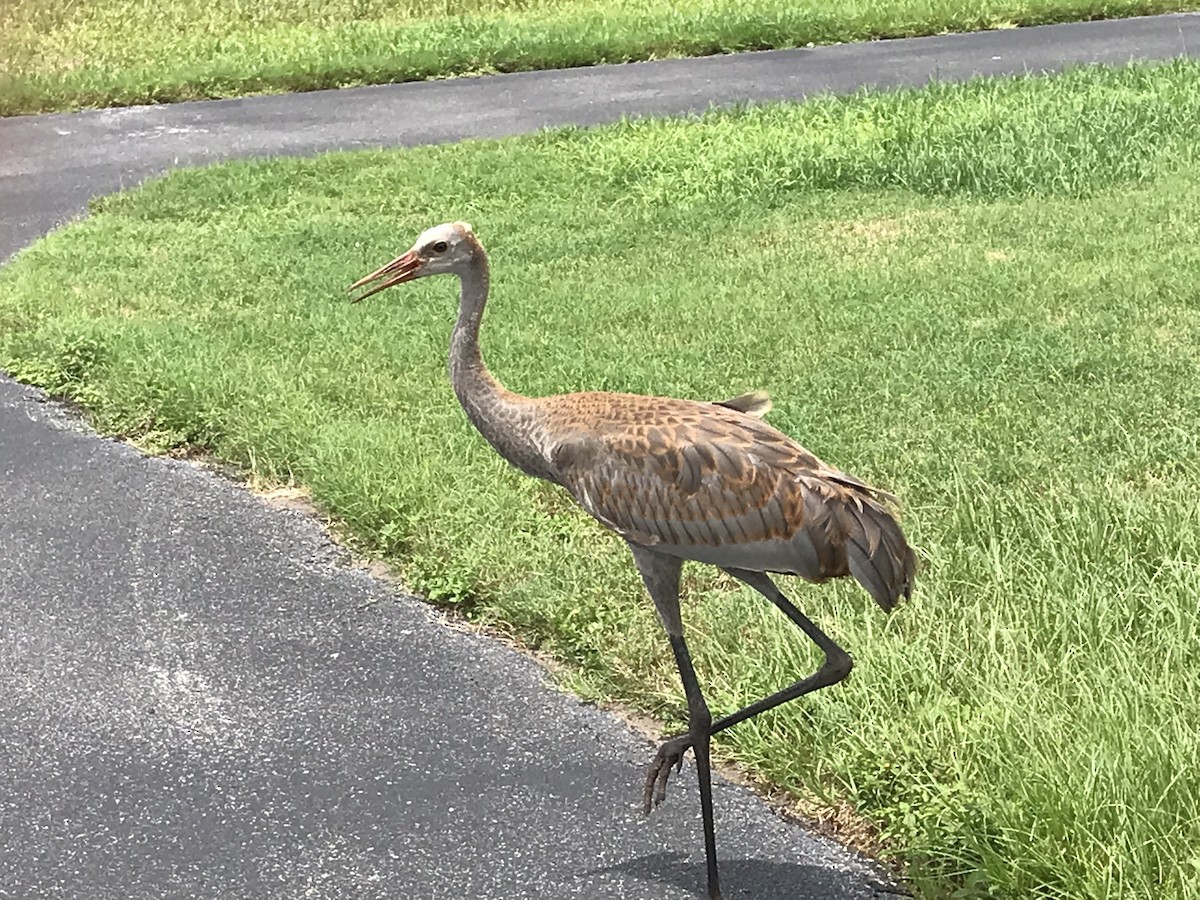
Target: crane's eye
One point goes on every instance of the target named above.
(440, 247)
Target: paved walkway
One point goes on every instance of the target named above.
(199, 699)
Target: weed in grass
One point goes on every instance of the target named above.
(118, 52)
(988, 305)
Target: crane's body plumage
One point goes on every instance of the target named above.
(678, 480)
(708, 483)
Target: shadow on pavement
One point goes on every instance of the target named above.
(743, 879)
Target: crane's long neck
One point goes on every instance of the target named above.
(505, 419)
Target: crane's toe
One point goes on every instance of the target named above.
(669, 755)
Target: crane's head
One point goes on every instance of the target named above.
(441, 249)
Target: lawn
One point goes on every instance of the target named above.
(65, 55)
(985, 298)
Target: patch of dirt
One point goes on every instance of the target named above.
(871, 235)
(858, 239)
(291, 497)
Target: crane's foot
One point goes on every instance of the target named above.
(669, 756)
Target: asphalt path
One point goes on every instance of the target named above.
(200, 697)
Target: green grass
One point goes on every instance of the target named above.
(65, 55)
(985, 298)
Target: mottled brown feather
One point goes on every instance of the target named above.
(698, 479)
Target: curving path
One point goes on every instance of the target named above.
(198, 698)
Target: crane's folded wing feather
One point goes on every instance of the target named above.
(723, 487)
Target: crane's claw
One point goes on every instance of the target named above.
(669, 755)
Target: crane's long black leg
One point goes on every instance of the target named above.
(661, 576)
(699, 725)
(837, 666)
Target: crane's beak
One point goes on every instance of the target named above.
(403, 268)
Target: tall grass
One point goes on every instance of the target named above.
(57, 55)
(984, 298)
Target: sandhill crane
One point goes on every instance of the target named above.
(678, 480)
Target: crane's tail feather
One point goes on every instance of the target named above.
(879, 557)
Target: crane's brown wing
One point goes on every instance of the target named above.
(712, 484)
